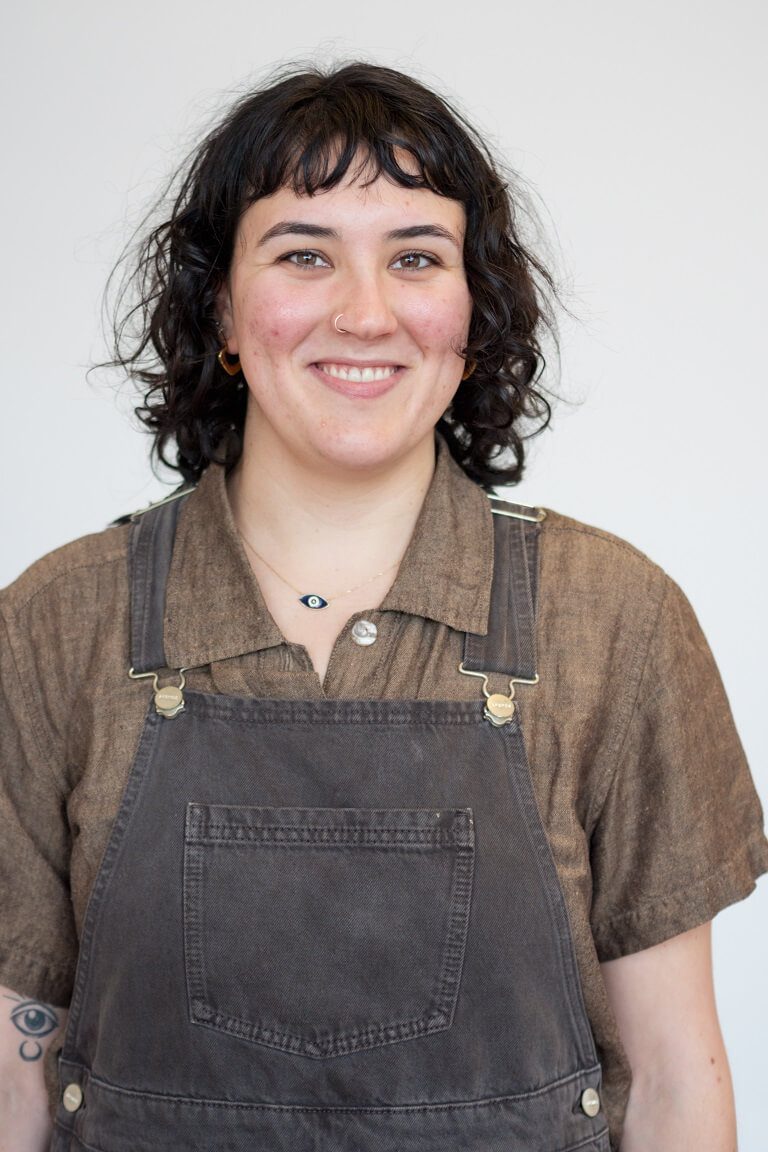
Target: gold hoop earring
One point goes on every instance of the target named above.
(469, 370)
(230, 369)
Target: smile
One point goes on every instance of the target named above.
(357, 375)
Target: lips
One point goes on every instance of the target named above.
(358, 374)
(358, 381)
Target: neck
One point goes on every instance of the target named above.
(321, 523)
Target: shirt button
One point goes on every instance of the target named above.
(364, 632)
(72, 1098)
(590, 1102)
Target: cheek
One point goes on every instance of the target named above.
(442, 325)
(274, 322)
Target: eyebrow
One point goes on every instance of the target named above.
(301, 228)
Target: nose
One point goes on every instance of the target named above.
(365, 306)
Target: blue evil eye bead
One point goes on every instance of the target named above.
(311, 600)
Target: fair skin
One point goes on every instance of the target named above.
(334, 471)
(27, 1030)
(664, 1003)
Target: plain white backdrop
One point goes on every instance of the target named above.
(641, 127)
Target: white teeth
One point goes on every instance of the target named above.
(357, 375)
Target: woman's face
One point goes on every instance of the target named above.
(388, 261)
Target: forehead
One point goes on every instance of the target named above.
(357, 203)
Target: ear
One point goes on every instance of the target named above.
(224, 316)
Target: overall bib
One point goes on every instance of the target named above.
(330, 925)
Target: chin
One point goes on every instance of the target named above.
(367, 452)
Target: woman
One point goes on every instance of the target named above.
(405, 828)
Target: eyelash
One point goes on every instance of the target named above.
(288, 258)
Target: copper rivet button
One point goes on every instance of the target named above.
(590, 1102)
(72, 1098)
(364, 632)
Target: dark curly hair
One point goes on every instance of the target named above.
(304, 129)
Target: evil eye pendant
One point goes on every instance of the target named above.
(311, 600)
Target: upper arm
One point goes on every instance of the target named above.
(677, 833)
(37, 933)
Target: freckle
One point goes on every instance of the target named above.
(711, 1059)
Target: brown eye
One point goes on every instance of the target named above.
(415, 261)
(305, 259)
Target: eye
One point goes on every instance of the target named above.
(415, 261)
(34, 1019)
(305, 259)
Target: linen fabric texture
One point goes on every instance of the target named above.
(360, 940)
(639, 775)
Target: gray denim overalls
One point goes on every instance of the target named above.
(330, 925)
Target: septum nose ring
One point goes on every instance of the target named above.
(336, 324)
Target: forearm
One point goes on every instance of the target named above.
(692, 1112)
(664, 1003)
(27, 1029)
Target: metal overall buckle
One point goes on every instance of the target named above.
(499, 709)
(169, 700)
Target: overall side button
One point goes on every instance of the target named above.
(590, 1102)
(72, 1098)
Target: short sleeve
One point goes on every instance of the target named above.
(37, 936)
(680, 834)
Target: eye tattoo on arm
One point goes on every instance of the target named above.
(34, 1020)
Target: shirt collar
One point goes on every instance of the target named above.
(214, 607)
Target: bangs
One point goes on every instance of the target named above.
(355, 133)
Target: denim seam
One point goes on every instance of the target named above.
(112, 852)
(436, 1016)
(596, 1140)
(582, 1076)
(469, 714)
(303, 837)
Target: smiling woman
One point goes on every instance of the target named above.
(289, 152)
(330, 400)
(380, 327)
(344, 806)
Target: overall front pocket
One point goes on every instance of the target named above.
(325, 931)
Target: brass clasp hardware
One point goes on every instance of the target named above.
(499, 709)
(169, 700)
(537, 514)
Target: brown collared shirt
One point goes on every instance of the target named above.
(641, 781)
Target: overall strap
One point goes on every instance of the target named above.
(151, 549)
(510, 645)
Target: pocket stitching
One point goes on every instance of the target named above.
(437, 1016)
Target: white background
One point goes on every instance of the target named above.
(641, 127)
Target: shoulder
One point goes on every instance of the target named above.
(68, 575)
(64, 621)
(604, 609)
(64, 625)
(578, 558)
(582, 563)
(591, 546)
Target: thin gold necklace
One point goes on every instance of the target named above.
(313, 599)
